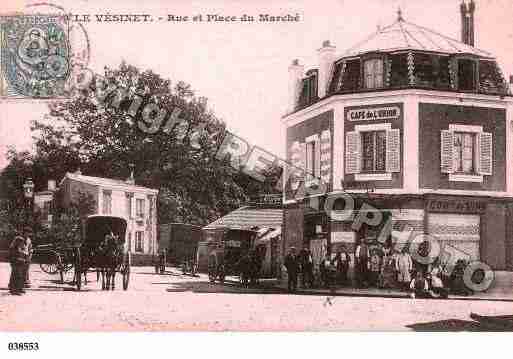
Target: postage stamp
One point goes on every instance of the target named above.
(35, 53)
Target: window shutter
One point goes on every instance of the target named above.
(326, 156)
(353, 152)
(393, 148)
(446, 151)
(302, 164)
(485, 155)
(295, 159)
(317, 169)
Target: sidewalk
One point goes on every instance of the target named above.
(502, 294)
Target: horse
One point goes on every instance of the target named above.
(111, 258)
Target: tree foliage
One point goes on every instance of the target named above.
(104, 140)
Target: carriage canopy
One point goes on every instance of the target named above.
(97, 226)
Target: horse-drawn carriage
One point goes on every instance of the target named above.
(103, 249)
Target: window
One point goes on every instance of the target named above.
(309, 89)
(107, 202)
(466, 75)
(464, 152)
(399, 70)
(139, 207)
(374, 151)
(130, 242)
(129, 197)
(490, 78)
(373, 73)
(424, 70)
(139, 236)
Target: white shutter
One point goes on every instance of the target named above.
(325, 156)
(393, 148)
(295, 159)
(353, 152)
(446, 151)
(485, 153)
(302, 164)
(317, 169)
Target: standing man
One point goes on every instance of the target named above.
(361, 256)
(306, 267)
(292, 265)
(18, 257)
(28, 240)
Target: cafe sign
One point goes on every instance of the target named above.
(374, 114)
(456, 206)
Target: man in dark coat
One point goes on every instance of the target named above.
(292, 265)
(19, 253)
(361, 257)
(306, 267)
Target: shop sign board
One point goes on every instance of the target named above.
(374, 114)
(342, 237)
(456, 205)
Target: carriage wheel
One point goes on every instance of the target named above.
(126, 271)
(49, 268)
(78, 266)
(53, 266)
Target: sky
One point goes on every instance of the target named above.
(242, 67)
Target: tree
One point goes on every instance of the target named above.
(105, 140)
(67, 226)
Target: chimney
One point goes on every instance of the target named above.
(296, 72)
(326, 58)
(464, 23)
(467, 22)
(52, 185)
(471, 9)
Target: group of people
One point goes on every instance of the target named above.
(382, 267)
(249, 266)
(20, 256)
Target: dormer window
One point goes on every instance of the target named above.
(309, 89)
(466, 75)
(373, 73)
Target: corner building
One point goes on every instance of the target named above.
(416, 125)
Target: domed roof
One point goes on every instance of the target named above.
(403, 35)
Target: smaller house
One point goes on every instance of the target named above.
(135, 203)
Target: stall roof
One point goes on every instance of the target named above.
(249, 218)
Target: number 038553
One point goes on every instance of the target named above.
(15, 346)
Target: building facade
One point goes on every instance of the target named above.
(136, 204)
(416, 128)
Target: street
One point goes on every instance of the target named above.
(173, 301)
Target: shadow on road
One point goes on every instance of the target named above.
(479, 323)
(226, 287)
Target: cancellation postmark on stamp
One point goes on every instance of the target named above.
(35, 56)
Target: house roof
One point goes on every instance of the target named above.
(403, 35)
(107, 182)
(246, 218)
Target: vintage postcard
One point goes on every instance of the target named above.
(249, 166)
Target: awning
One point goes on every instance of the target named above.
(249, 218)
